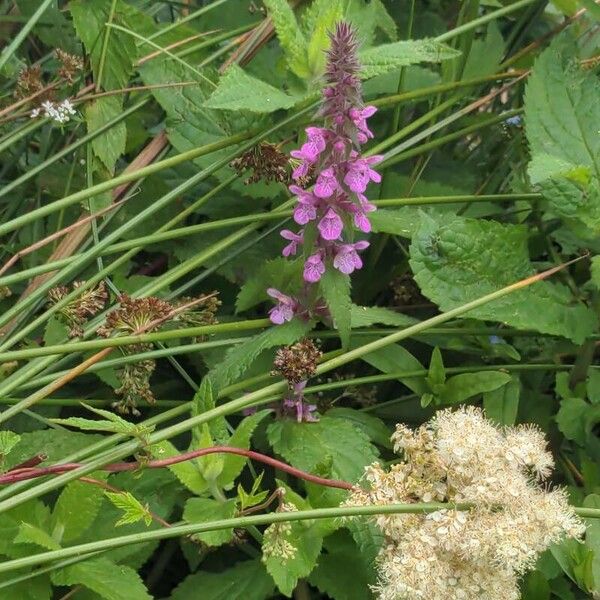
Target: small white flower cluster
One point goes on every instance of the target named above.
(61, 113)
(276, 542)
(466, 555)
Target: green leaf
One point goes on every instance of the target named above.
(107, 579)
(436, 376)
(370, 540)
(55, 331)
(466, 385)
(203, 510)
(113, 423)
(238, 359)
(239, 91)
(342, 573)
(308, 445)
(76, 508)
(290, 36)
(456, 260)
(8, 440)
(35, 588)
(89, 19)
(187, 471)
(335, 287)
(571, 419)
(245, 581)
(365, 316)
(502, 404)
(30, 534)
(32, 512)
(278, 273)
(373, 426)
(110, 145)
(232, 464)
(595, 271)
(400, 221)
(561, 116)
(133, 510)
(254, 496)
(286, 572)
(397, 359)
(536, 587)
(390, 57)
(329, 14)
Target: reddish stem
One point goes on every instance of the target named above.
(23, 474)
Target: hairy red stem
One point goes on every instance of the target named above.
(23, 474)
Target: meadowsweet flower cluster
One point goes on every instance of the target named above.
(60, 113)
(466, 555)
(276, 538)
(336, 205)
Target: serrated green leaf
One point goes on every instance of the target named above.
(239, 91)
(76, 508)
(466, 385)
(30, 534)
(307, 445)
(89, 19)
(204, 510)
(561, 116)
(502, 405)
(232, 464)
(187, 471)
(390, 57)
(319, 41)
(365, 316)
(456, 260)
(110, 145)
(373, 426)
(133, 510)
(238, 359)
(335, 287)
(278, 273)
(342, 573)
(400, 221)
(32, 512)
(109, 580)
(55, 331)
(8, 440)
(286, 572)
(370, 540)
(289, 35)
(245, 581)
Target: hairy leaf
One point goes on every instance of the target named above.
(456, 260)
(238, 359)
(107, 579)
(186, 471)
(30, 534)
(239, 91)
(390, 57)
(203, 510)
(109, 145)
(561, 115)
(335, 287)
(364, 316)
(245, 581)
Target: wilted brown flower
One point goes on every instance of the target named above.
(267, 162)
(70, 65)
(77, 312)
(298, 362)
(135, 386)
(29, 82)
(135, 314)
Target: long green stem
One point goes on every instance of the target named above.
(262, 395)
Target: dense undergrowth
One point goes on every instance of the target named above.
(186, 413)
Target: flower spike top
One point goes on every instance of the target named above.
(331, 156)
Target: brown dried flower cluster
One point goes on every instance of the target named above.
(71, 65)
(136, 315)
(267, 162)
(29, 82)
(77, 312)
(298, 362)
(466, 555)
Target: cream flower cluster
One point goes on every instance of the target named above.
(460, 456)
(61, 113)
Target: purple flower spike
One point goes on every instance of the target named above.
(306, 209)
(359, 118)
(294, 239)
(313, 268)
(326, 184)
(359, 173)
(331, 225)
(285, 308)
(347, 259)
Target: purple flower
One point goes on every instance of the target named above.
(331, 225)
(313, 268)
(294, 239)
(285, 308)
(306, 209)
(326, 184)
(296, 403)
(315, 144)
(359, 173)
(359, 118)
(347, 259)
